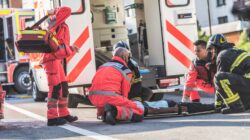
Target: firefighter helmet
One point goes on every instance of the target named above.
(121, 44)
(217, 41)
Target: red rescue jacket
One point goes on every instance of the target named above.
(110, 79)
(62, 34)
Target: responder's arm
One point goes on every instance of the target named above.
(222, 66)
(191, 76)
(125, 87)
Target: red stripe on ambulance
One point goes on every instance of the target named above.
(80, 41)
(180, 36)
(178, 55)
(81, 65)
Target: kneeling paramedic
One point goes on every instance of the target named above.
(110, 88)
(137, 91)
(199, 76)
(58, 113)
(232, 79)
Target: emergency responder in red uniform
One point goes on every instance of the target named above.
(232, 79)
(137, 91)
(58, 113)
(110, 88)
(199, 76)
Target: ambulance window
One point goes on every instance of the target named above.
(2, 52)
(176, 3)
(10, 39)
(77, 6)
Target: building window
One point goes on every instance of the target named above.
(223, 19)
(221, 3)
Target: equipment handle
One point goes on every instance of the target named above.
(38, 22)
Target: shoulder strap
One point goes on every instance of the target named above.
(38, 22)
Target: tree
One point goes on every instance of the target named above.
(243, 42)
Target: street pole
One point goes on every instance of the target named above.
(209, 17)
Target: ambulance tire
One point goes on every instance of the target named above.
(73, 101)
(22, 79)
(37, 95)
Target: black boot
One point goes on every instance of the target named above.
(70, 118)
(110, 114)
(235, 107)
(56, 121)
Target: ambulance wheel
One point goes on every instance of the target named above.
(37, 95)
(72, 101)
(22, 79)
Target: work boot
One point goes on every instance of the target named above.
(235, 107)
(56, 121)
(70, 118)
(110, 114)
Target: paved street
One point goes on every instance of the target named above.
(26, 119)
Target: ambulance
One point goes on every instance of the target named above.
(14, 65)
(95, 25)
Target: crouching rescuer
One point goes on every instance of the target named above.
(199, 75)
(232, 79)
(58, 113)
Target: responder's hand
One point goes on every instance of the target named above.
(74, 48)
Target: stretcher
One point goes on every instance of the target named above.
(173, 115)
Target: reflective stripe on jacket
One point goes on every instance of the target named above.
(113, 76)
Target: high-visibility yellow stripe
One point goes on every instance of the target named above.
(26, 13)
(41, 32)
(232, 99)
(5, 12)
(247, 75)
(55, 40)
(227, 90)
(17, 23)
(238, 60)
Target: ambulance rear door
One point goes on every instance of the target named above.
(80, 67)
(171, 43)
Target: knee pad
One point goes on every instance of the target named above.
(56, 91)
(65, 89)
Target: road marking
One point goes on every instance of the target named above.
(71, 128)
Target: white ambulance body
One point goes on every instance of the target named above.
(171, 29)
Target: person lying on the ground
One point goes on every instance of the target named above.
(170, 106)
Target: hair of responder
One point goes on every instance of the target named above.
(121, 52)
(201, 43)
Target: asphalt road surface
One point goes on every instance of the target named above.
(26, 119)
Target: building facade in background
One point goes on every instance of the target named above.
(221, 19)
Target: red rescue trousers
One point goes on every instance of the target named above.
(58, 89)
(192, 90)
(125, 107)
